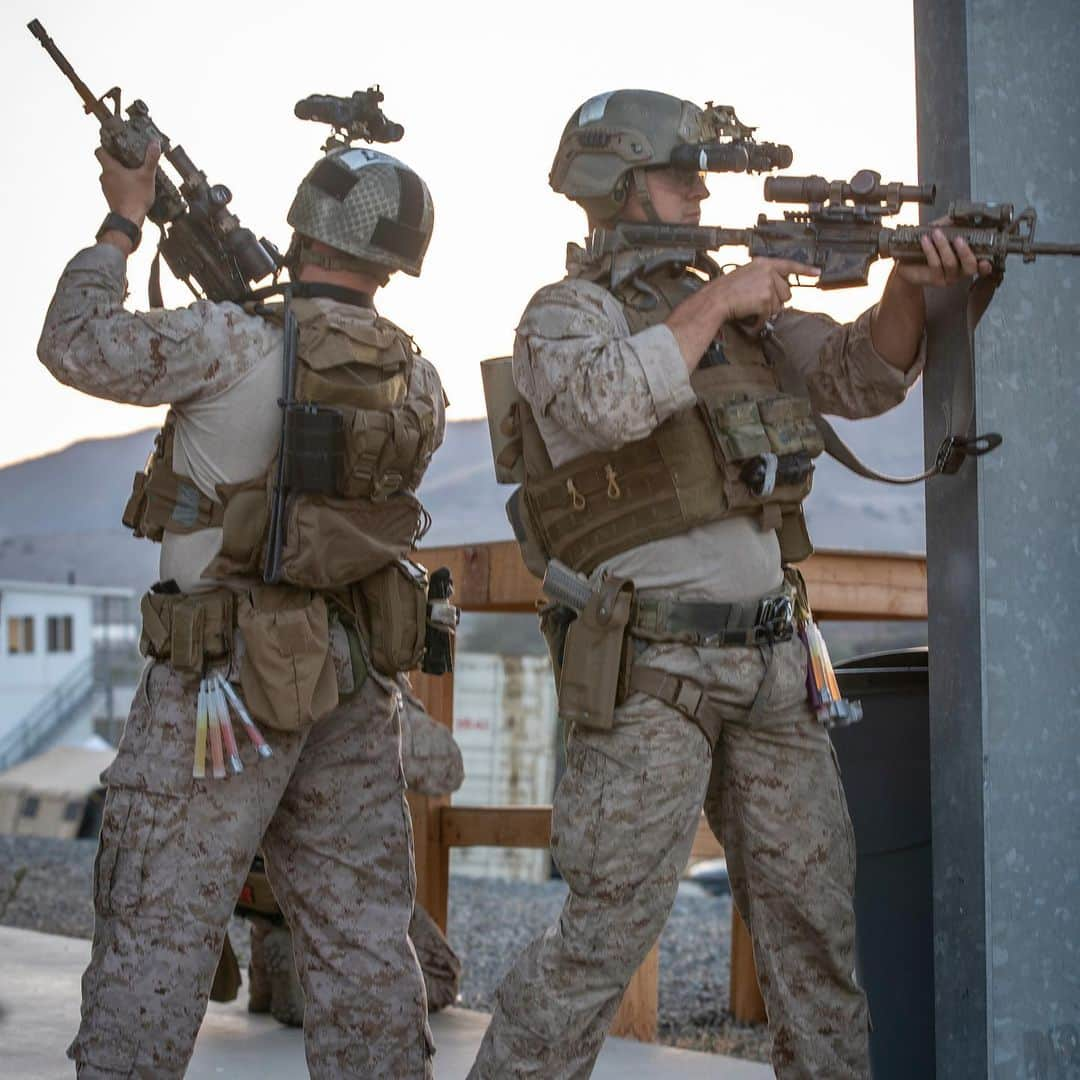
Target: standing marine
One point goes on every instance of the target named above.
(304, 665)
(646, 387)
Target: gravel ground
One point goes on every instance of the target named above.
(45, 885)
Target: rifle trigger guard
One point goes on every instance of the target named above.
(956, 448)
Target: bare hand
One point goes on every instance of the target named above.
(129, 192)
(946, 263)
(759, 290)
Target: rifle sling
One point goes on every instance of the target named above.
(153, 286)
(955, 447)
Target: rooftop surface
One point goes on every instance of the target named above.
(39, 1011)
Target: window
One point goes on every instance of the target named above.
(20, 633)
(31, 805)
(60, 634)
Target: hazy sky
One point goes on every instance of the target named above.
(483, 90)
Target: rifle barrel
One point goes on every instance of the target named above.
(698, 237)
(1055, 249)
(90, 101)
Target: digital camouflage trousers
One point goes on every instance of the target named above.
(624, 820)
(329, 812)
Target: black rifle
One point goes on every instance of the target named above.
(202, 241)
(840, 231)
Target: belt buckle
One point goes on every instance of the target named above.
(775, 619)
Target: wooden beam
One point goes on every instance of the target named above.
(487, 577)
(706, 846)
(432, 856)
(860, 585)
(497, 826)
(744, 994)
(842, 584)
(637, 1015)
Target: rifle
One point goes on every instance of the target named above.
(202, 241)
(840, 230)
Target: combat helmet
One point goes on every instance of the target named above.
(611, 139)
(370, 207)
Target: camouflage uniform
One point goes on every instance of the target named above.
(328, 808)
(432, 764)
(627, 808)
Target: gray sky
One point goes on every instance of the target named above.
(483, 90)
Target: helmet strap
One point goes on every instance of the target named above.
(302, 250)
(641, 188)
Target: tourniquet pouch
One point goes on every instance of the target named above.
(393, 602)
(597, 657)
(287, 673)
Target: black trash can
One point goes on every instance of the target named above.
(885, 766)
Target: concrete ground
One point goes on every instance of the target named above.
(39, 1012)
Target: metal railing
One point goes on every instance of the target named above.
(48, 716)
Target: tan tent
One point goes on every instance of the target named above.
(50, 794)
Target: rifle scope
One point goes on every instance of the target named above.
(865, 187)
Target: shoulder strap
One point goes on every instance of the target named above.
(955, 447)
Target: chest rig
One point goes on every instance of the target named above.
(359, 444)
(745, 448)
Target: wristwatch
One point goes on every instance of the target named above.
(118, 223)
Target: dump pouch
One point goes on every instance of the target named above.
(393, 606)
(287, 673)
(332, 542)
(504, 425)
(597, 657)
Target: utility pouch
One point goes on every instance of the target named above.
(794, 537)
(597, 657)
(287, 673)
(393, 602)
(187, 630)
(314, 450)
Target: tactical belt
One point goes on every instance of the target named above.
(709, 625)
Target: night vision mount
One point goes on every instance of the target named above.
(359, 116)
(740, 153)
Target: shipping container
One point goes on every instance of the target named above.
(505, 721)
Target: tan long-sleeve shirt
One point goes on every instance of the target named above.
(593, 385)
(217, 366)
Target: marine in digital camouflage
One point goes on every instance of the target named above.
(627, 808)
(328, 808)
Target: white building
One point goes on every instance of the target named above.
(47, 634)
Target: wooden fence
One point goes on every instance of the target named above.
(492, 577)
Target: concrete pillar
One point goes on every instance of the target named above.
(998, 86)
